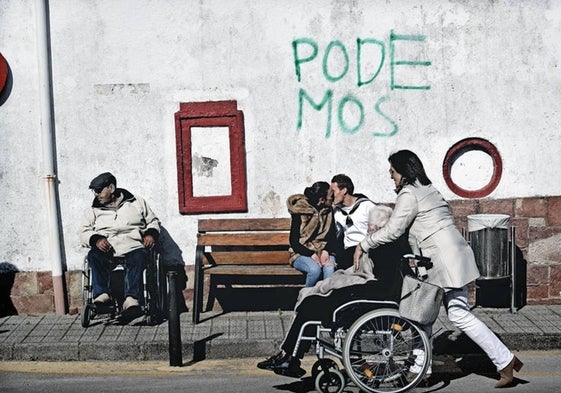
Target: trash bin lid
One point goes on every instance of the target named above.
(477, 222)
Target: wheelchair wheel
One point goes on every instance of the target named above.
(330, 381)
(153, 301)
(86, 284)
(162, 283)
(383, 352)
(86, 315)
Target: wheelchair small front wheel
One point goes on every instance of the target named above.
(323, 364)
(332, 381)
(86, 315)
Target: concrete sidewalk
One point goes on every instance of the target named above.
(234, 335)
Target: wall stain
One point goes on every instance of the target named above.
(203, 166)
(126, 88)
(270, 203)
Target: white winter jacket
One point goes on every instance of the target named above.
(124, 226)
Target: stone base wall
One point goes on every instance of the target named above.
(538, 234)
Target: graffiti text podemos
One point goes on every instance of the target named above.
(308, 54)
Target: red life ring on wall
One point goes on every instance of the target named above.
(3, 72)
(467, 145)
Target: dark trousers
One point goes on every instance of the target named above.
(388, 271)
(101, 266)
(320, 308)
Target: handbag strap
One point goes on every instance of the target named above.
(410, 293)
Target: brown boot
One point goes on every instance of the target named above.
(507, 372)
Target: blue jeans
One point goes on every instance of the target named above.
(313, 270)
(101, 266)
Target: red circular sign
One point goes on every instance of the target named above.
(3, 72)
(467, 145)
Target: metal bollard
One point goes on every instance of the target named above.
(175, 358)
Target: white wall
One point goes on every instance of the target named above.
(121, 68)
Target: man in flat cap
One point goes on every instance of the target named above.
(118, 224)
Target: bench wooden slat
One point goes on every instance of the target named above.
(243, 239)
(254, 270)
(250, 258)
(244, 224)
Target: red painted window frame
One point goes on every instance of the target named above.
(210, 114)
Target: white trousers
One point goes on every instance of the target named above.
(460, 315)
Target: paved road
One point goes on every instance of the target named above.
(541, 374)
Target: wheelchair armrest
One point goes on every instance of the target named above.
(347, 313)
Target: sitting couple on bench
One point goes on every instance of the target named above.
(323, 238)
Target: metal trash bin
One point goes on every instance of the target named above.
(489, 242)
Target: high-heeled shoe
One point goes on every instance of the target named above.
(506, 373)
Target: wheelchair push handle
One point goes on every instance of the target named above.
(419, 264)
(418, 260)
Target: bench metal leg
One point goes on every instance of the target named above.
(198, 286)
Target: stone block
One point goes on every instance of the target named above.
(159, 350)
(538, 292)
(521, 231)
(554, 210)
(34, 304)
(190, 272)
(124, 351)
(537, 233)
(546, 250)
(536, 222)
(530, 207)
(25, 284)
(555, 281)
(44, 282)
(463, 208)
(6, 352)
(48, 352)
(74, 287)
(497, 206)
(537, 274)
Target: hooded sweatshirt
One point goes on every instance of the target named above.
(312, 230)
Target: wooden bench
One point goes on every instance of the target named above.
(241, 247)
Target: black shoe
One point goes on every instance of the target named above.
(130, 314)
(289, 368)
(275, 360)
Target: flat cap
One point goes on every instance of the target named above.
(103, 180)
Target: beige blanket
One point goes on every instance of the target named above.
(339, 279)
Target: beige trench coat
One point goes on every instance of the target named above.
(432, 232)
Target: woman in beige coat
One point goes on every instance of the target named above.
(421, 210)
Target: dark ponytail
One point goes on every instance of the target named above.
(410, 167)
(316, 191)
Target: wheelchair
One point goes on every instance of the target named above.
(376, 346)
(153, 302)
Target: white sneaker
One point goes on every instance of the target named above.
(102, 299)
(130, 302)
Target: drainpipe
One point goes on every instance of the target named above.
(48, 141)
